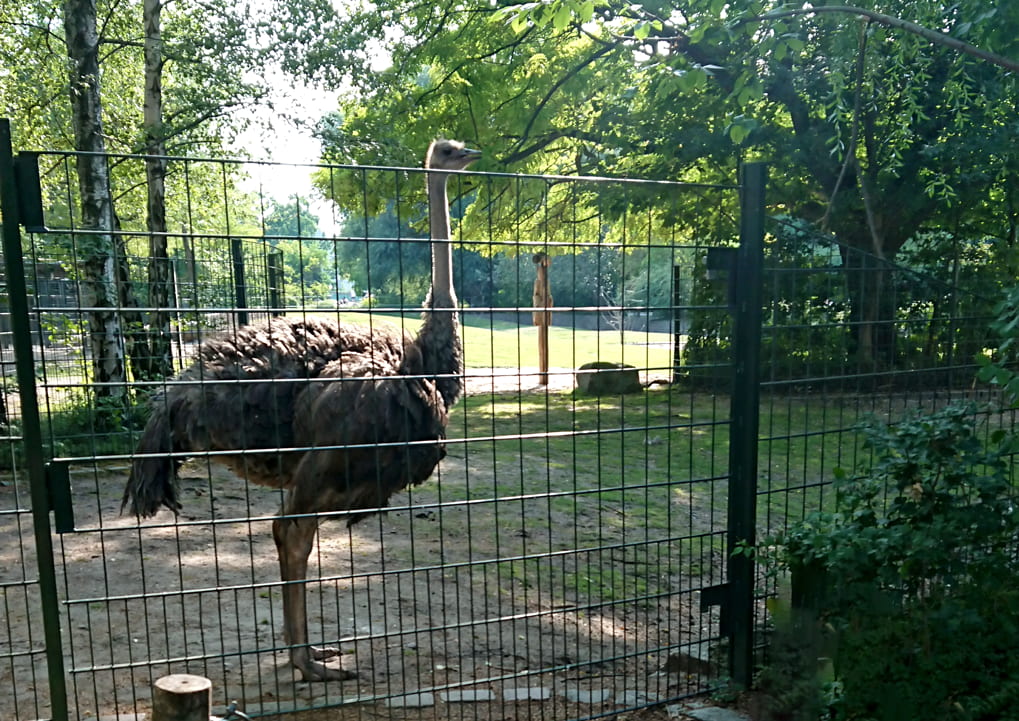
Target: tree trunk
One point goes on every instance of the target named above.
(135, 336)
(161, 359)
(99, 269)
(870, 285)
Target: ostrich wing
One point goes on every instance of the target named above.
(374, 431)
(243, 391)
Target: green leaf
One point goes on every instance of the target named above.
(520, 22)
(584, 11)
(563, 16)
(692, 79)
(738, 133)
(794, 42)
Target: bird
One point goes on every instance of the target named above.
(338, 416)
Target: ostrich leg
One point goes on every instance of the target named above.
(294, 538)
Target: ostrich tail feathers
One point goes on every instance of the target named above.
(153, 479)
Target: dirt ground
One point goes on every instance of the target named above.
(488, 595)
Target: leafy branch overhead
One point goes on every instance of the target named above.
(680, 91)
(875, 134)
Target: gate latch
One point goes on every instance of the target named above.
(718, 596)
(58, 491)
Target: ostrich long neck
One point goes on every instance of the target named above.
(443, 295)
(439, 337)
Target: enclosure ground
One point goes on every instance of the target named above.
(459, 588)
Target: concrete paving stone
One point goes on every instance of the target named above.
(530, 693)
(581, 695)
(675, 710)
(634, 697)
(411, 700)
(467, 695)
(714, 713)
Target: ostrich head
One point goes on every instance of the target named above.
(449, 155)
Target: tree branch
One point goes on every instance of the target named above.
(893, 22)
(563, 79)
(855, 132)
(42, 29)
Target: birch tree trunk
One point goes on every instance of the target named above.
(96, 248)
(161, 359)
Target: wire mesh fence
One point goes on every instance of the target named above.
(557, 554)
(565, 558)
(850, 342)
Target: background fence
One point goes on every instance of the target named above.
(571, 551)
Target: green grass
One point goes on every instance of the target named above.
(490, 343)
(644, 475)
(648, 469)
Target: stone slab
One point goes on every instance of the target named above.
(581, 695)
(530, 693)
(715, 713)
(411, 700)
(467, 695)
(633, 697)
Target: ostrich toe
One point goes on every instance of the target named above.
(314, 670)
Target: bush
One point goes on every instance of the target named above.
(914, 576)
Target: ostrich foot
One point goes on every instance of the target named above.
(313, 670)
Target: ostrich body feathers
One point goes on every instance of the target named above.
(355, 413)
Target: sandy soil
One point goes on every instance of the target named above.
(480, 595)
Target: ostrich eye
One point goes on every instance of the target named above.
(447, 151)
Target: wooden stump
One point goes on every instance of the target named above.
(542, 318)
(182, 697)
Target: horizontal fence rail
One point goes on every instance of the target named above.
(557, 553)
(632, 411)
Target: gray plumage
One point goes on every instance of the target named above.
(300, 383)
(341, 416)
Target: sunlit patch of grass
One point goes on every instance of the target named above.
(648, 466)
(490, 343)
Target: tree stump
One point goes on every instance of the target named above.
(182, 697)
(602, 378)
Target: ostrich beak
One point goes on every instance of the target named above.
(470, 155)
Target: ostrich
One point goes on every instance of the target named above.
(339, 417)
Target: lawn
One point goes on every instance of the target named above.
(645, 457)
(557, 519)
(491, 343)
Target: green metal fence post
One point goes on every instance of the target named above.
(275, 268)
(746, 346)
(31, 426)
(240, 282)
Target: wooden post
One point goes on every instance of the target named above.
(542, 318)
(182, 697)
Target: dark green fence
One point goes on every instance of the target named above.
(571, 550)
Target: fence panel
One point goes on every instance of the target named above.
(562, 545)
(850, 338)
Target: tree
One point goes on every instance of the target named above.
(877, 134)
(163, 96)
(99, 281)
(160, 357)
(308, 263)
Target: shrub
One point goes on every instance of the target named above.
(914, 576)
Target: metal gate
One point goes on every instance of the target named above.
(570, 558)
